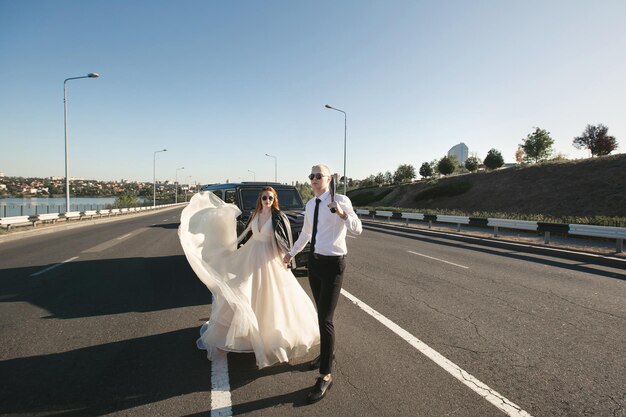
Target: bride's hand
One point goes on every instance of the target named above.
(286, 259)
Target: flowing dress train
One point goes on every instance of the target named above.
(258, 305)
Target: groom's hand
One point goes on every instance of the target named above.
(286, 258)
(339, 212)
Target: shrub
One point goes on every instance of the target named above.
(366, 197)
(448, 190)
(426, 170)
(445, 166)
(472, 163)
(126, 200)
(494, 159)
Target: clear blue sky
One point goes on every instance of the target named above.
(222, 83)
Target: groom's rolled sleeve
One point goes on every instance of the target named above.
(352, 222)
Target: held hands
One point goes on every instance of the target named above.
(286, 259)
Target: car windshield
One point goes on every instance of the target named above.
(288, 199)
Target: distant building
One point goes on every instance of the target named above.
(1, 174)
(460, 152)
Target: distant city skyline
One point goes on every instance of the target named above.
(220, 85)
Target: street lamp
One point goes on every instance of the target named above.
(253, 173)
(275, 166)
(176, 186)
(186, 189)
(67, 178)
(345, 130)
(154, 177)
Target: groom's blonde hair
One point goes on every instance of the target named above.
(323, 168)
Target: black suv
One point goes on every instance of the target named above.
(244, 196)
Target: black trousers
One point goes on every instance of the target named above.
(325, 278)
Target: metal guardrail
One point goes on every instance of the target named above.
(617, 233)
(414, 216)
(16, 221)
(51, 217)
(12, 221)
(69, 215)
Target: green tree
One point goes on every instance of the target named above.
(388, 178)
(597, 140)
(368, 182)
(305, 190)
(472, 163)
(494, 159)
(446, 166)
(458, 167)
(426, 171)
(126, 200)
(537, 146)
(404, 173)
(379, 178)
(434, 166)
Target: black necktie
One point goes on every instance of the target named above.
(315, 215)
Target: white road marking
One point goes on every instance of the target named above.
(437, 259)
(351, 237)
(221, 405)
(474, 384)
(110, 243)
(53, 266)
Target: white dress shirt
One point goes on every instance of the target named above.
(330, 239)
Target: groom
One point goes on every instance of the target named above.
(326, 230)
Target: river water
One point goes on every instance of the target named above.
(32, 206)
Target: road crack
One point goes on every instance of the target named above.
(361, 391)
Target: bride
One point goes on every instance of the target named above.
(258, 305)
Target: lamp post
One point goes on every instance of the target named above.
(186, 189)
(253, 173)
(154, 177)
(345, 130)
(275, 166)
(67, 178)
(176, 186)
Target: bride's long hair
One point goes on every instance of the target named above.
(259, 201)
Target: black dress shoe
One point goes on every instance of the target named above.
(320, 389)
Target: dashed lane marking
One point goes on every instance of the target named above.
(437, 259)
(53, 266)
(110, 243)
(221, 404)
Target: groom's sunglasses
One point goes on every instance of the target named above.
(266, 197)
(317, 176)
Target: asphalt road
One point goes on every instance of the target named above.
(110, 328)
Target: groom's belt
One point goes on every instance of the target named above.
(329, 257)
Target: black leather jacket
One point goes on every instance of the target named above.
(282, 233)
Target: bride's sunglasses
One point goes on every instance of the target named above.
(317, 176)
(267, 197)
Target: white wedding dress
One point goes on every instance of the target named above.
(258, 305)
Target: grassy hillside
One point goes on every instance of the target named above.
(594, 187)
